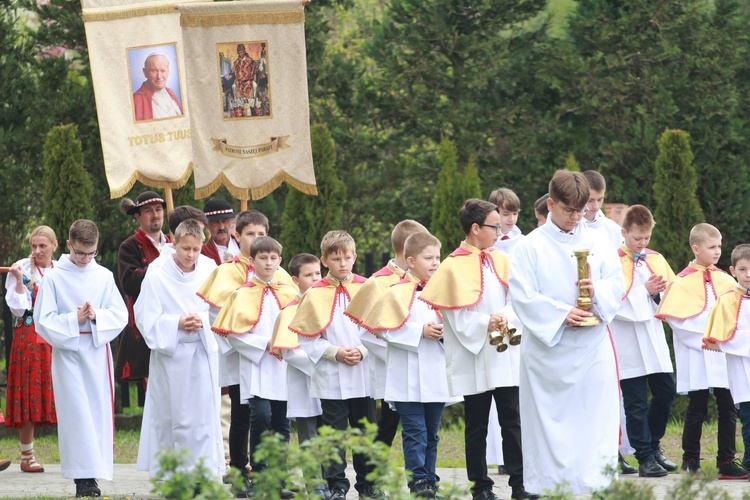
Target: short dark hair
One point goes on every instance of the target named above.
(474, 211)
(638, 215)
(540, 205)
(183, 213)
(417, 242)
(506, 199)
(250, 217)
(264, 244)
(569, 188)
(300, 260)
(596, 180)
(84, 231)
(740, 252)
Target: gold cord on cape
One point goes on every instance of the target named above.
(655, 261)
(457, 283)
(722, 322)
(316, 308)
(283, 338)
(373, 288)
(224, 280)
(244, 307)
(686, 298)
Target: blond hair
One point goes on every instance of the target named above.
(417, 242)
(48, 233)
(701, 232)
(337, 241)
(402, 231)
(189, 227)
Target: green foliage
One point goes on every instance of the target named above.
(68, 190)
(677, 208)
(571, 163)
(176, 480)
(449, 196)
(306, 219)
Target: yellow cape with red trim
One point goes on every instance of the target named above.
(457, 283)
(722, 322)
(372, 289)
(283, 338)
(655, 262)
(685, 297)
(316, 308)
(224, 280)
(393, 307)
(243, 308)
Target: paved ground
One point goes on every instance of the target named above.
(135, 485)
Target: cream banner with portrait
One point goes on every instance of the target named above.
(137, 66)
(247, 81)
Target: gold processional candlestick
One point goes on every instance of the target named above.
(497, 338)
(584, 299)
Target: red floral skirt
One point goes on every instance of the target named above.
(29, 395)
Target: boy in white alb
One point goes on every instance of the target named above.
(247, 322)
(304, 409)
(184, 364)
(470, 289)
(728, 331)
(79, 311)
(341, 373)
(641, 345)
(416, 382)
(594, 217)
(685, 307)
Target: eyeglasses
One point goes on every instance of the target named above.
(496, 227)
(84, 254)
(570, 211)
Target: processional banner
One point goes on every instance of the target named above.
(137, 67)
(219, 89)
(247, 79)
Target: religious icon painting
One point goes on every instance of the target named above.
(243, 72)
(155, 82)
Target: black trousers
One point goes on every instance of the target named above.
(239, 429)
(341, 414)
(695, 416)
(388, 424)
(477, 417)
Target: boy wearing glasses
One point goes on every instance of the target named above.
(568, 387)
(79, 311)
(470, 288)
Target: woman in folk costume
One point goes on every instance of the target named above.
(30, 400)
(182, 402)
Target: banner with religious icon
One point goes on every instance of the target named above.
(137, 66)
(247, 79)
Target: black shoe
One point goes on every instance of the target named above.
(484, 495)
(370, 491)
(243, 490)
(731, 469)
(665, 463)
(692, 466)
(422, 489)
(4, 464)
(502, 470)
(87, 488)
(651, 469)
(338, 494)
(522, 493)
(625, 467)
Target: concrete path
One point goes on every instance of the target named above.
(129, 483)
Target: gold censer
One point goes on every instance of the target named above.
(584, 299)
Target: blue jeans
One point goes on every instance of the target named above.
(419, 430)
(646, 423)
(266, 415)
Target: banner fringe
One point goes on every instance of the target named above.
(238, 18)
(138, 176)
(257, 192)
(90, 17)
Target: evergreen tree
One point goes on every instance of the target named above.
(470, 183)
(68, 191)
(571, 163)
(306, 219)
(449, 197)
(677, 208)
